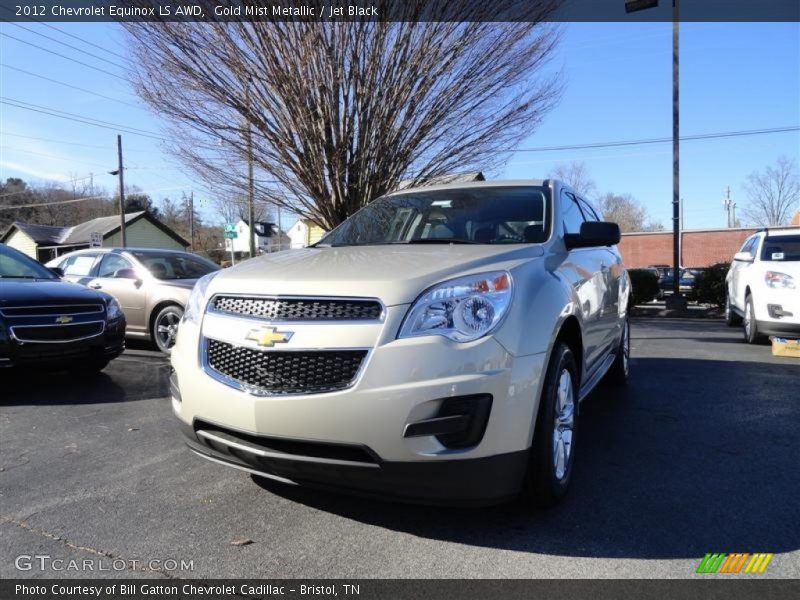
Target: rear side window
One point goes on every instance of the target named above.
(781, 248)
(79, 265)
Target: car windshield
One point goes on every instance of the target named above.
(781, 248)
(175, 266)
(15, 265)
(493, 215)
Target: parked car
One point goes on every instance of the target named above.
(660, 269)
(151, 285)
(762, 285)
(434, 347)
(686, 284)
(47, 322)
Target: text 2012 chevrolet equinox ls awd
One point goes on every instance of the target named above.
(434, 347)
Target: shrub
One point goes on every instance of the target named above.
(644, 286)
(710, 285)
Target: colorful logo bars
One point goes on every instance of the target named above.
(740, 562)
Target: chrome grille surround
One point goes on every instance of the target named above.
(282, 309)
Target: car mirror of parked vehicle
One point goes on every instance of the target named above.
(594, 234)
(126, 274)
(57, 270)
(743, 257)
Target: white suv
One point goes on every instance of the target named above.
(434, 347)
(763, 285)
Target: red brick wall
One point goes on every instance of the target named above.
(699, 248)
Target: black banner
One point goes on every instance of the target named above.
(734, 588)
(400, 10)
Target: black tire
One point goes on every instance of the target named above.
(547, 479)
(167, 317)
(732, 318)
(750, 328)
(619, 371)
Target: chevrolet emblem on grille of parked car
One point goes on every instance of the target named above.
(64, 319)
(269, 336)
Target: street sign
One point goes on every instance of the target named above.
(95, 239)
(230, 227)
(231, 235)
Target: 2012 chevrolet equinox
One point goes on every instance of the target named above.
(433, 348)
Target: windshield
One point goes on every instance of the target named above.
(15, 265)
(175, 266)
(501, 215)
(781, 247)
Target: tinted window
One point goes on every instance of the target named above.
(15, 265)
(501, 215)
(163, 265)
(112, 263)
(79, 265)
(588, 211)
(781, 247)
(572, 216)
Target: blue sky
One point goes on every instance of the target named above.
(734, 76)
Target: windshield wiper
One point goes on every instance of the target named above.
(441, 241)
(23, 277)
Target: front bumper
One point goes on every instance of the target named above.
(402, 382)
(107, 346)
(778, 313)
(472, 482)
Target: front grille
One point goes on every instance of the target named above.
(66, 309)
(285, 372)
(57, 333)
(299, 309)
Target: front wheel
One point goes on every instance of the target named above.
(165, 327)
(553, 450)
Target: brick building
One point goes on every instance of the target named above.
(699, 248)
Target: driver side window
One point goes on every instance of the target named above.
(112, 263)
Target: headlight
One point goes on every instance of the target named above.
(113, 310)
(197, 299)
(462, 309)
(775, 279)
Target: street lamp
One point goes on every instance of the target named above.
(676, 300)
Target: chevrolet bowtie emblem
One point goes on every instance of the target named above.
(63, 320)
(267, 337)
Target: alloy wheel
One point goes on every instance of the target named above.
(563, 425)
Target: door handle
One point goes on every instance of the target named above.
(95, 286)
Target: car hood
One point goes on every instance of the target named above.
(31, 292)
(186, 284)
(396, 274)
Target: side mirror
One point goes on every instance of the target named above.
(594, 234)
(743, 257)
(125, 274)
(58, 271)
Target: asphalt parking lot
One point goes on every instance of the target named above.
(699, 454)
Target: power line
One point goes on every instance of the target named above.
(684, 138)
(80, 118)
(74, 200)
(75, 60)
(28, 191)
(68, 143)
(72, 35)
(53, 156)
(75, 87)
(57, 41)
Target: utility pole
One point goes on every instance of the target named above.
(677, 301)
(119, 172)
(191, 221)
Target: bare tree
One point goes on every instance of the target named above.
(774, 193)
(576, 175)
(627, 212)
(339, 113)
